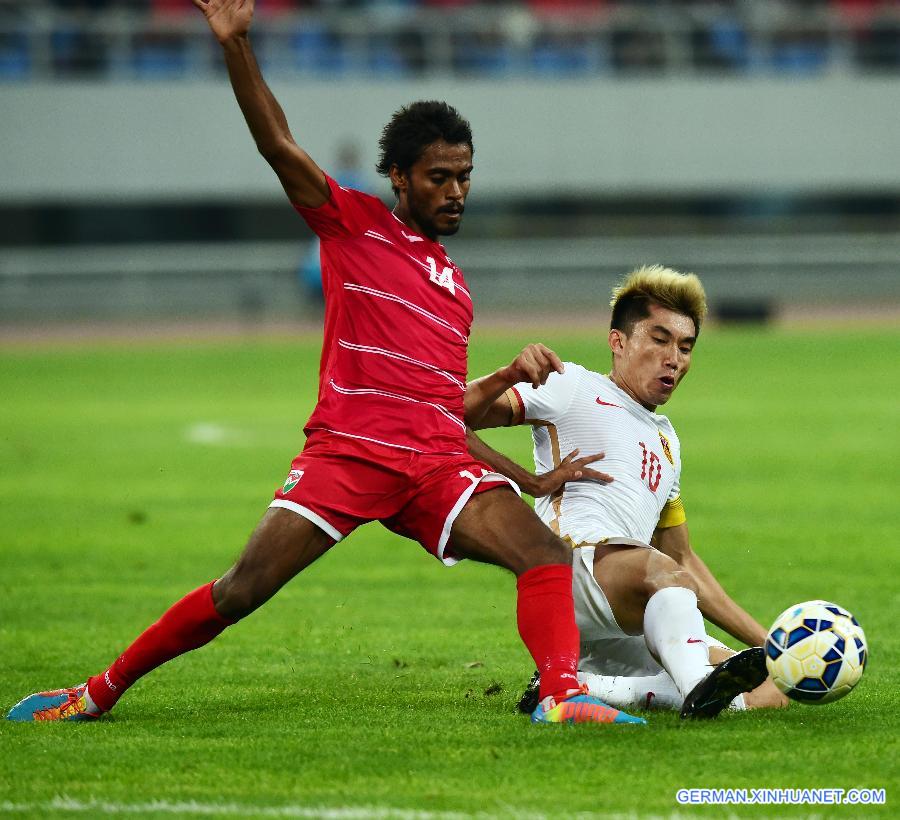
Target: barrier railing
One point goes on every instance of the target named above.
(260, 279)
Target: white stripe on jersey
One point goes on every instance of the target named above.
(375, 235)
(379, 236)
(380, 351)
(394, 298)
(348, 391)
(384, 443)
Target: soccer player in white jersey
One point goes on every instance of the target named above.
(637, 582)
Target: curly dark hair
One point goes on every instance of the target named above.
(414, 127)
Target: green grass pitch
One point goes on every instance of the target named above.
(379, 683)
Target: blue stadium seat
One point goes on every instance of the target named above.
(557, 58)
(799, 57)
(729, 43)
(160, 59)
(315, 49)
(15, 57)
(384, 58)
(483, 59)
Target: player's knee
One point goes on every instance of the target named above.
(663, 572)
(234, 598)
(548, 549)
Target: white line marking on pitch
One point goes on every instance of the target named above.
(191, 807)
(214, 435)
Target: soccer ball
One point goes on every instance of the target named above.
(816, 652)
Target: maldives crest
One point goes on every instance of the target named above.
(667, 450)
(293, 477)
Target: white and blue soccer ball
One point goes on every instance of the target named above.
(816, 652)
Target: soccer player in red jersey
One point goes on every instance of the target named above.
(387, 439)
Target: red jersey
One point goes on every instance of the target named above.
(397, 322)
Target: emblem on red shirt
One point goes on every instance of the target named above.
(291, 481)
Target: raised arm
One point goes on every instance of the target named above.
(714, 602)
(485, 404)
(303, 181)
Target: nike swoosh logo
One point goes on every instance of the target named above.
(607, 403)
(412, 238)
(694, 640)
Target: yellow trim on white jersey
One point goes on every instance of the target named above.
(556, 497)
(672, 514)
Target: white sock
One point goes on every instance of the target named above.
(738, 704)
(638, 692)
(675, 635)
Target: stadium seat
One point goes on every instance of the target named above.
(15, 57)
(159, 57)
(315, 49)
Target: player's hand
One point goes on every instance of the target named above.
(571, 468)
(227, 18)
(534, 364)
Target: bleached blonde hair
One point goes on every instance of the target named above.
(655, 284)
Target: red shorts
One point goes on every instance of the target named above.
(339, 483)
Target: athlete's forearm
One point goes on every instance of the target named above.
(480, 396)
(717, 606)
(265, 117)
(713, 601)
(482, 408)
(506, 466)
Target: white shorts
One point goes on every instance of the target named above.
(593, 614)
(626, 656)
(605, 648)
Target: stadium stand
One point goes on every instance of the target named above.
(163, 39)
(776, 181)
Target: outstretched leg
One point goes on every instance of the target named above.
(659, 691)
(497, 527)
(282, 545)
(651, 593)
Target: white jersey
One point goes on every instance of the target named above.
(583, 410)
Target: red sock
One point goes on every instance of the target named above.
(188, 624)
(546, 615)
